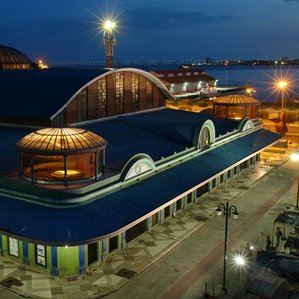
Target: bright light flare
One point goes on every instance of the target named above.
(295, 156)
(108, 25)
(239, 260)
(282, 84)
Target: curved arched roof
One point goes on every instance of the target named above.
(10, 55)
(61, 140)
(236, 99)
(44, 93)
(147, 75)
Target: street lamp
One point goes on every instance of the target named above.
(227, 212)
(108, 26)
(282, 86)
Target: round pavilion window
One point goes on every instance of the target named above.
(61, 155)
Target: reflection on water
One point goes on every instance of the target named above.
(261, 77)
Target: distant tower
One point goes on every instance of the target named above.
(109, 41)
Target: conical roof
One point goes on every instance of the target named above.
(61, 141)
(236, 99)
(10, 56)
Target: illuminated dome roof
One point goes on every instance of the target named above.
(236, 99)
(60, 141)
(10, 56)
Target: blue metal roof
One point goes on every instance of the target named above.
(8, 154)
(157, 133)
(78, 224)
(41, 93)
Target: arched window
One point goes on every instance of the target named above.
(204, 138)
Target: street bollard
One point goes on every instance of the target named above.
(206, 294)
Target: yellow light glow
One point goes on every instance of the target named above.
(108, 25)
(295, 156)
(42, 65)
(70, 173)
(282, 84)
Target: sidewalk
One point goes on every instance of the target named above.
(115, 272)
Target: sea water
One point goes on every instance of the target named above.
(262, 78)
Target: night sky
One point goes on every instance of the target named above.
(61, 31)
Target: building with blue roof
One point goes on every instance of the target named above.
(113, 162)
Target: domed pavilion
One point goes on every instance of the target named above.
(12, 59)
(236, 106)
(61, 155)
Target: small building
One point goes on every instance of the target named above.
(185, 83)
(13, 59)
(236, 106)
(61, 155)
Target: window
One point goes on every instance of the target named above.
(102, 97)
(135, 92)
(179, 204)
(204, 138)
(167, 212)
(13, 245)
(189, 198)
(119, 93)
(82, 105)
(40, 251)
(149, 95)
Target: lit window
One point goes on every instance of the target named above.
(13, 247)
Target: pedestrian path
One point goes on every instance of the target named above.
(122, 266)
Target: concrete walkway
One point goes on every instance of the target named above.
(124, 266)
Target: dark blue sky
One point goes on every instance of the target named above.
(66, 30)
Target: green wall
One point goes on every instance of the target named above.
(68, 260)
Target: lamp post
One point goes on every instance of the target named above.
(281, 127)
(282, 86)
(295, 158)
(108, 26)
(227, 211)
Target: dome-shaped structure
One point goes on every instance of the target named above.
(11, 58)
(236, 106)
(236, 99)
(60, 141)
(61, 154)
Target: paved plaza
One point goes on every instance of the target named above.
(260, 193)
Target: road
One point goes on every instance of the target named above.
(183, 272)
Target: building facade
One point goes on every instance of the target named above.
(64, 226)
(186, 83)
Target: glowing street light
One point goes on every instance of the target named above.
(239, 260)
(249, 90)
(227, 212)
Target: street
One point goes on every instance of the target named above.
(183, 272)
